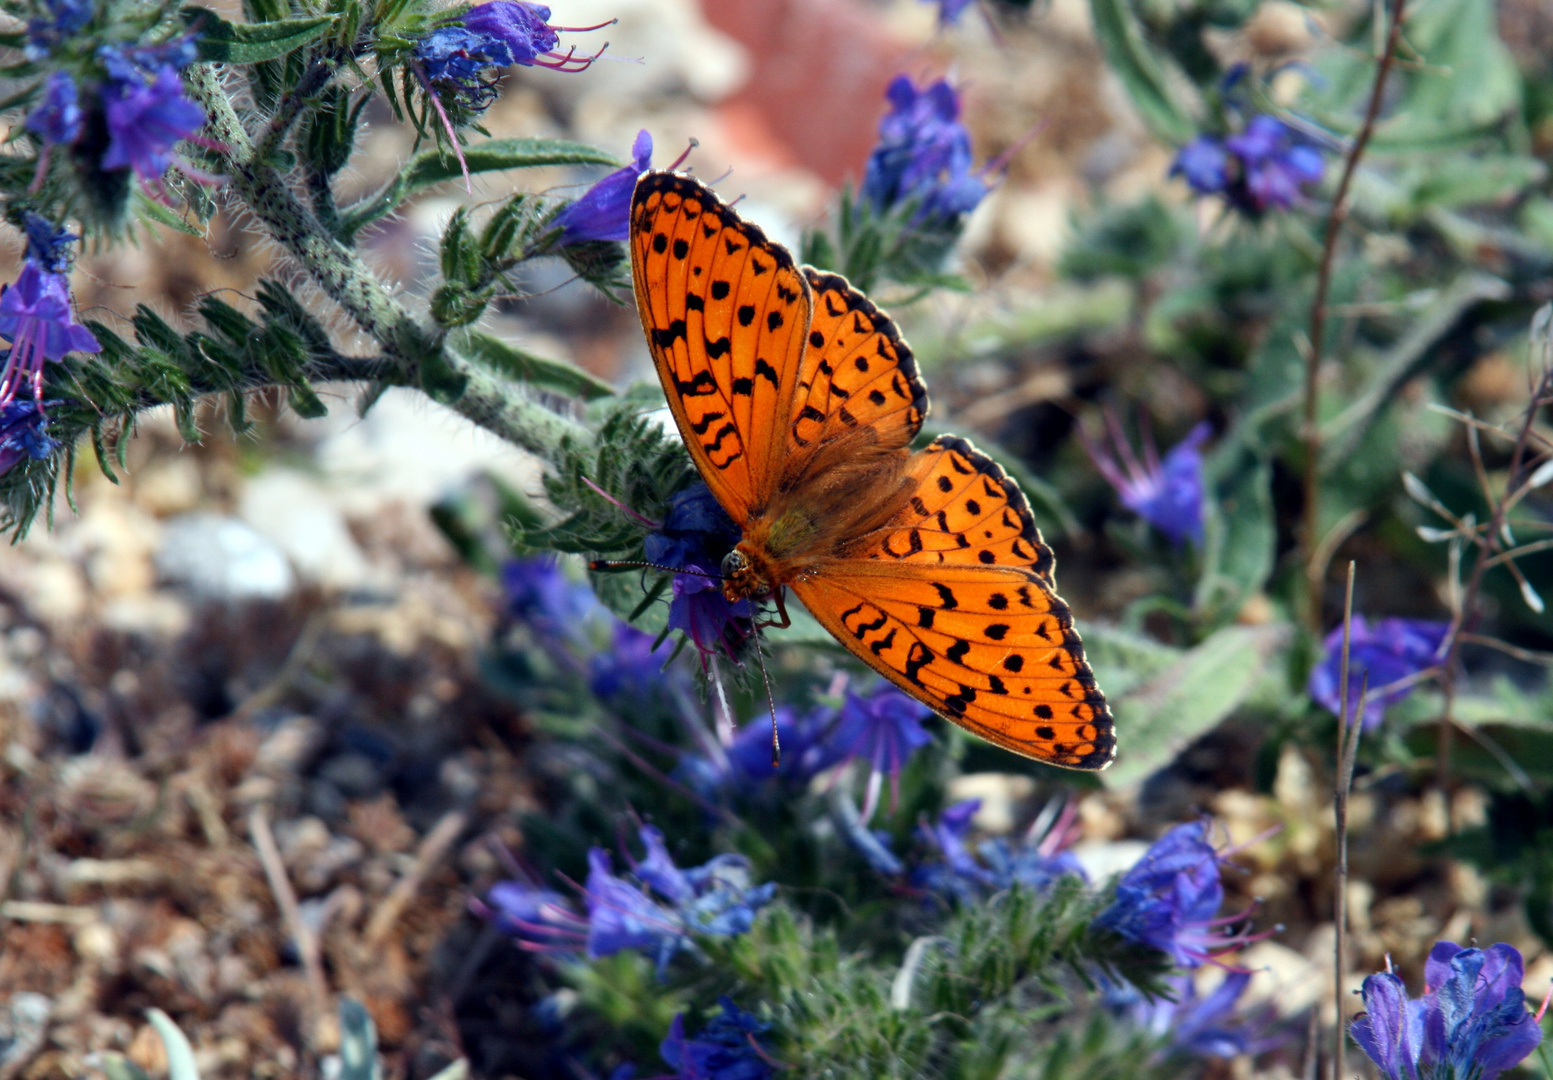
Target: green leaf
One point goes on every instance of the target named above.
(358, 1042)
(119, 1067)
(180, 1055)
(514, 363)
(1122, 660)
(251, 43)
(1140, 71)
(437, 166)
(1240, 537)
(1158, 719)
(1454, 180)
(163, 215)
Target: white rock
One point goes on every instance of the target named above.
(221, 558)
(299, 515)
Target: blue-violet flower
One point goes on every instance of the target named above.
(1033, 862)
(727, 1048)
(1170, 899)
(695, 536)
(604, 210)
(1168, 494)
(35, 315)
(1387, 651)
(23, 433)
(1267, 166)
(57, 119)
(146, 119)
(923, 156)
(1472, 1021)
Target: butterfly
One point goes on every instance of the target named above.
(798, 401)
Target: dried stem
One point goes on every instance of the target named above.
(1309, 539)
(1350, 723)
(286, 899)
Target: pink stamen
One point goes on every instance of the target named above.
(645, 522)
(1544, 1007)
(42, 171)
(582, 29)
(561, 63)
(677, 162)
(458, 151)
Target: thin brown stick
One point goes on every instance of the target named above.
(1318, 320)
(286, 899)
(434, 845)
(1348, 728)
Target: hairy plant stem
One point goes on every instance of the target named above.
(1310, 541)
(408, 346)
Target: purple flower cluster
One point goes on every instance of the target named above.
(996, 865)
(37, 319)
(604, 210)
(135, 93)
(1267, 166)
(694, 537)
(923, 157)
(1471, 1022)
(727, 1048)
(463, 59)
(1170, 900)
(1199, 1026)
(1386, 652)
(884, 728)
(656, 916)
(1167, 493)
(23, 433)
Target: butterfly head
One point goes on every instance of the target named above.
(745, 574)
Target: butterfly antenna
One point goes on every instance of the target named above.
(604, 566)
(776, 741)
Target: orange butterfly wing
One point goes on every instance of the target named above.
(763, 364)
(727, 317)
(856, 372)
(954, 603)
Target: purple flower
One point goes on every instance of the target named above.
(1471, 1022)
(1033, 862)
(48, 244)
(884, 727)
(1203, 1027)
(538, 919)
(145, 121)
(630, 668)
(57, 119)
(23, 433)
(1388, 651)
(64, 19)
(949, 11)
(807, 751)
(35, 315)
(540, 594)
(1203, 163)
(497, 34)
(923, 156)
(715, 899)
(1168, 494)
(729, 1047)
(604, 210)
(695, 536)
(1267, 166)
(1170, 899)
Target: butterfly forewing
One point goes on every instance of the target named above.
(857, 372)
(726, 315)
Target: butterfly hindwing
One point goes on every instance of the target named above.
(726, 314)
(992, 650)
(964, 512)
(857, 372)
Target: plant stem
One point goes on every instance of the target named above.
(1348, 728)
(1310, 541)
(407, 345)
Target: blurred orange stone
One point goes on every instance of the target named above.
(816, 91)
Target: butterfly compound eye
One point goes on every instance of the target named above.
(733, 562)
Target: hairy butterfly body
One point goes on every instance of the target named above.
(798, 401)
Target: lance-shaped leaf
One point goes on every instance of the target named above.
(494, 155)
(251, 43)
(1140, 70)
(554, 375)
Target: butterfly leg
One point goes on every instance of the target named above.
(779, 598)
